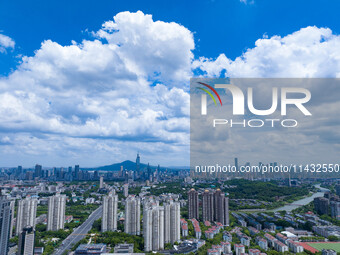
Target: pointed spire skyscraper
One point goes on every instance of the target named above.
(137, 173)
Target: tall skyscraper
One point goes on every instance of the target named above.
(19, 171)
(137, 173)
(153, 227)
(172, 219)
(5, 223)
(76, 172)
(193, 204)
(236, 163)
(208, 206)
(37, 170)
(132, 215)
(26, 214)
(56, 212)
(26, 241)
(110, 207)
(149, 173)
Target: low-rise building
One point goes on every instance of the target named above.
(124, 248)
(227, 236)
(295, 247)
(282, 238)
(280, 247)
(213, 252)
(270, 239)
(90, 249)
(328, 252)
(239, 249)
(254, 252)
(226, 247)
(262, 243)
(245, 240)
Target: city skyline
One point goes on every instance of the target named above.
(85, 96)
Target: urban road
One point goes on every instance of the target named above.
(79, 233)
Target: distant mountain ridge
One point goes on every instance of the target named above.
(129, 165)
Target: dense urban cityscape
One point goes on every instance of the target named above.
(141, 209)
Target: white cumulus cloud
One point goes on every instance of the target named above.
(309, 52)
(101, 100)
(6, 42)
(130, 83)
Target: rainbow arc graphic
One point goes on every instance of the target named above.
(209, 93)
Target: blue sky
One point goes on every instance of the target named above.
(220, 26)
(93, 82)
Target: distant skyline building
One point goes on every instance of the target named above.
(193, 211)
(149, 175)
(19, 171)
(37, 170)
(76, 172)
(110, 209)
(137, 172)
(5, 223)
(236, 163)
(26, 241)
(56, 212)
(132, 215)
(26, 214)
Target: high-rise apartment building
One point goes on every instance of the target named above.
(215, 207)
(56, 212)
(126, 190)
(321, 205)
(26, 241)
(193, 204)
(221, 207)
(101, 182)
(5, 223)
(172, 222)
(26, 214)
(337, 189)
(110, 208)
(12, 205)
(208, 205)
(153, 227)
(335, 209)
(132, 215)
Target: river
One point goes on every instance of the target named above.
(304, 201)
